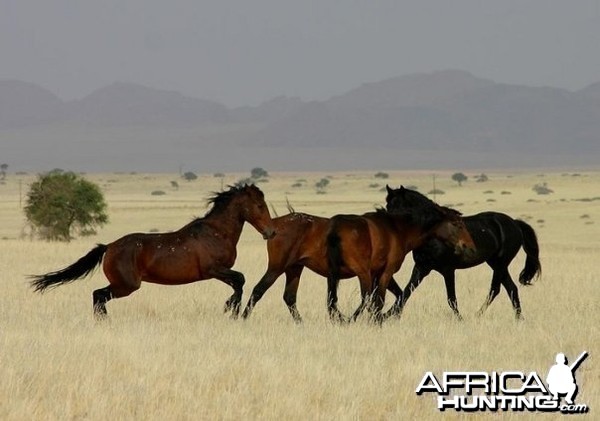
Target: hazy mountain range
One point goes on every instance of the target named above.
(424, 120)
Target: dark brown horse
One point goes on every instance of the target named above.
(373, 247)
(203, 249)
(497, 237)
(301, 241)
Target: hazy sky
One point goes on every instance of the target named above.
(242, 52)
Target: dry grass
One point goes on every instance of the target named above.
(170, 353)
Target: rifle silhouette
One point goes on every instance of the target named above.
(578, 361)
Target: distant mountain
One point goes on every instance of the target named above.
(24, 104)
(122, 104)
(446, 110)
(269, 111)
(423, 120)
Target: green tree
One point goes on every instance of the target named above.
(189, 176)
(60, 204)
(459, 178)
(321, 185)
(258, 172)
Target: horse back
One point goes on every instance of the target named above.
(176, 257)
(299, 238)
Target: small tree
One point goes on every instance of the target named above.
(321, 185)
(258, 172)
(60, 203)
(481, 178)
(459, 178)
(189, 176)
(542, 189)
(3, 168)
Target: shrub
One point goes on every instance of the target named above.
(321, 185)
(459, 178)
(542, 189)
(481, 178)
(382, 175)
(189, 176)
(59, 203)
(258, 172)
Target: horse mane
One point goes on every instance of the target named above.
(220, 200)
(424, 211)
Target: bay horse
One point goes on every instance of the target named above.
(301, 241)
(203, 249)
(497, 238)
(373, 247)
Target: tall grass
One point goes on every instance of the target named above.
(170, 353)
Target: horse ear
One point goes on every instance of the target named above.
(388, 189)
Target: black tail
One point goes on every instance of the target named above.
(79, 269)
(533, 267)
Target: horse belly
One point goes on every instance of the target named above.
(172, 268)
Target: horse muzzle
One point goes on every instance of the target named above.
(268, 233)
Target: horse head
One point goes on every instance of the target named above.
(449, 226)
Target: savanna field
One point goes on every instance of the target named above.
(171, 353)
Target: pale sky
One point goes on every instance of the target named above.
(242, 52)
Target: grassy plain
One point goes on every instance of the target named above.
(170, 353)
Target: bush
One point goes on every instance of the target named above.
(158, 193)
(481, 178)
(59, 203)
(459, 178)
(258, 172)
(189, 176)
(542, 189)
(321, 185)
(382, 175)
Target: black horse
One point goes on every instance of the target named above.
(497, 238)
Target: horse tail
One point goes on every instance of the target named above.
(533, 267)
(79, 269)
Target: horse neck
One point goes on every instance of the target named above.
(410, 234)
(227, 220)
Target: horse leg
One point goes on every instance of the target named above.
(366, 289)
(418, 274)
(292, 279)
(494, 290)
(100, 298)
(378, 296)
(334, 313)
(513, 293)
(396, 308)
(236, 281)
(123, 280)
(259, 290)
(450, 281)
